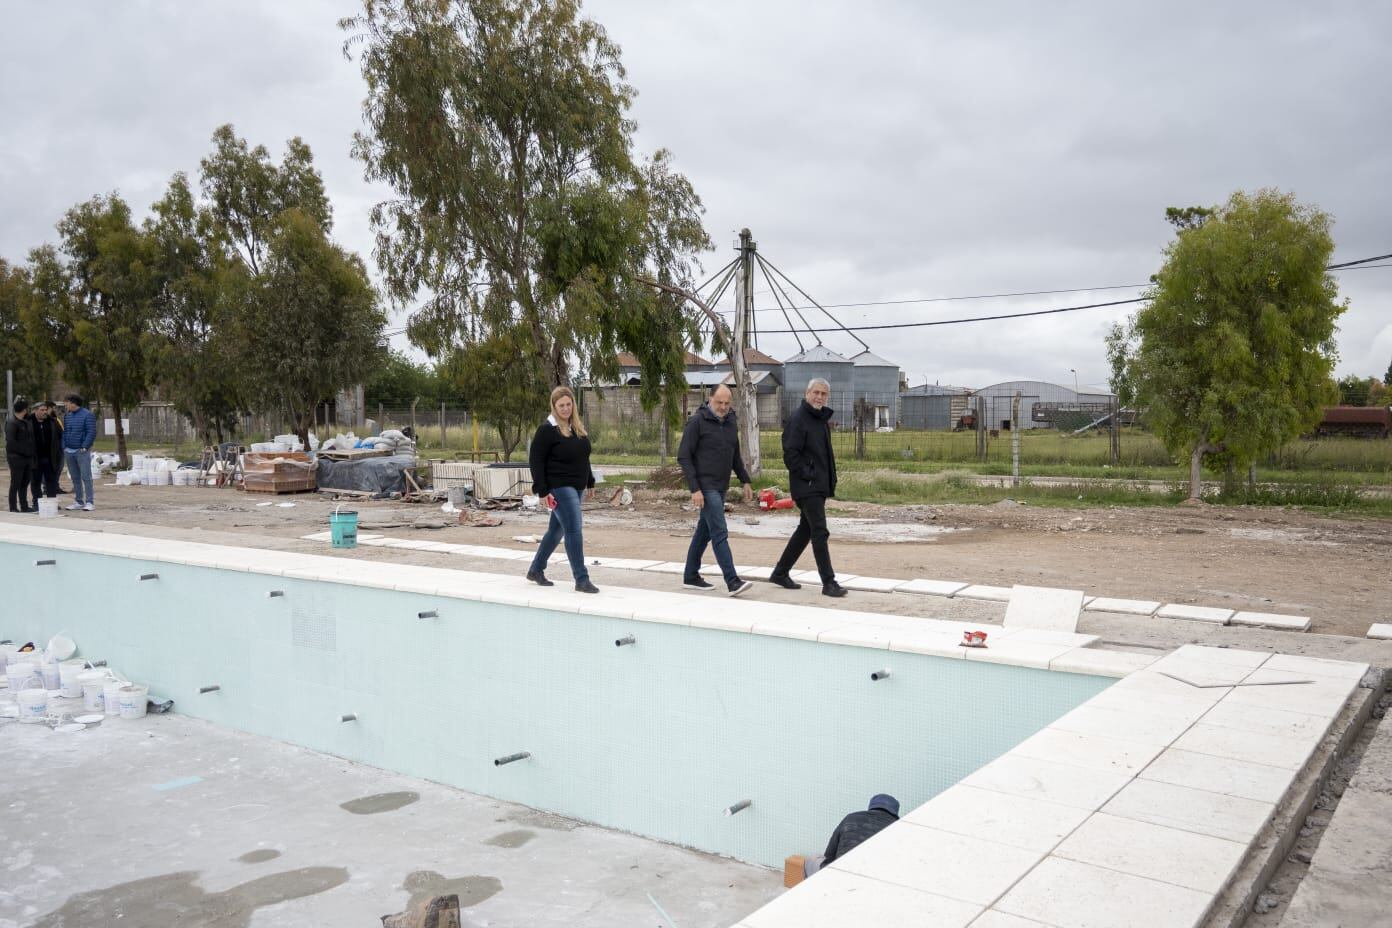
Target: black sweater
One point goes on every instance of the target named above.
(559, 461)
(710, 449)
(807, 452)
(19, 440)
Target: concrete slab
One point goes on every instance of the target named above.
(1195, 613)
(931, 587)
(1123, 606)
(1043, 607)
(274, 835)
(1380, 631)
(995, 594)
(1292, 623)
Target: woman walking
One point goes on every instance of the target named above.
(560, 462)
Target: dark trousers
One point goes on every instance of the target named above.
(711, 530)
(21, 477)
(45, 479)
(812, 526)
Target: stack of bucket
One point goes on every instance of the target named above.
(38, 679)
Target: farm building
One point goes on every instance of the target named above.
(932, 406)
(876, 381)
(1043, 405)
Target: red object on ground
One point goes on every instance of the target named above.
(768, 499)
(783, 504)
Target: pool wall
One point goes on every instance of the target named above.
(655, 738)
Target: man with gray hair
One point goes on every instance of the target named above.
(811, 481)
(710, 449)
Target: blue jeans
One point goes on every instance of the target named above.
(711, 530)
(80, 470)
(565, 522)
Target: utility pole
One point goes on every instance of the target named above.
(9, 393)
(744, 289)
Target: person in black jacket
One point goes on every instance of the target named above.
(22, 457)
(857, 828)
(811, 481)
(48, 445)
(710, 448)
(560, 462)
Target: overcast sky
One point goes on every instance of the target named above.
(879, 151)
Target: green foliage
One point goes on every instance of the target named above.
(1357, 391)
(20, 345)
(95, 301)
(501, 384)
(309, 324)
(519, 210)
(1234, 354)
(399, 381)
(196, 284)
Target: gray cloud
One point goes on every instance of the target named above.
(878, 150)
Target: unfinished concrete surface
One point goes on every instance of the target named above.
(170, 821)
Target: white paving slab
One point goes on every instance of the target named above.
(1095, 752)
(1231, 817)
(1278, 722)
(1043, 607)
(993, 919)
(1317, 667)
(1195, 613)
(1294, 623)
(925, 587)
(1123, 606)
(1078, 895)
(1256, 747)
(755, 573)
(1030, 824)
(1220, 775)
(1241, 657)
(1048, 781)
(1293, 692)
(995, 594)
(666, 567)
(1102, 662)
(939, 862)
(1381, 631)
(872, 584)
(1087, 719)
(1195, 861)
(837, 899)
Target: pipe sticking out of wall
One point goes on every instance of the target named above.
(93, 665)
(431, 614)
(523, 755)
(348, 717)
(626, 639)
(739, 806)
(880, 675)
(48, 562)
(275, 593)
(208, 689)
(149, 576)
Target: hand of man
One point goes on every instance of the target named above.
(748, 493)
(698, 499)
(589, 495)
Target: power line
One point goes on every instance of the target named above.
(916, 325)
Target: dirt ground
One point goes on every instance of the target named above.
(1334, 570)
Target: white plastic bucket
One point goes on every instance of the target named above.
(68, 683)
(137, 461)
(7, 652)
(48, 508)
(111, 696)
(51, 675)
(33, 705)
(131, 701)
(92, 683)
(22, 674)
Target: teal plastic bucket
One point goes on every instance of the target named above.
(343, 525)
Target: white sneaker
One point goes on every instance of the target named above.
(73, 508)
(88, 508)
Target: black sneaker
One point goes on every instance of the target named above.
(833, 589)
(785, 581)
(740, 586)
(585, 586)
(699, 583)
(539, 578)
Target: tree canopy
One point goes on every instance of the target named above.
(32, 365)
(520, 215)
(1234, 354)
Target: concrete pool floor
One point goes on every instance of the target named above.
(171, 820)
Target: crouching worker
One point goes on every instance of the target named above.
(856, 829)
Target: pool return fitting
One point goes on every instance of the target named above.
(274, 594)
(626, 639)
(880, 675)
(149, 576)
(47, 562)
(348, 717)
(209, 689)
(429, 614)
(739, 806)
(523, 755)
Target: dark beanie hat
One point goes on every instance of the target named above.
(886, 802)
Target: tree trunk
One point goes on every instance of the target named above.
(303, 421)
(1196, 471)
(120, 436)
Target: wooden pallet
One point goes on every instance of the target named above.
(354, 454)
(277, 484)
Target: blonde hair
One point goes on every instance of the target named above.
(575, 425)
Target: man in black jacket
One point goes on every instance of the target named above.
(710, 449)
(811, 481)
(21, 456)
(48, 444)
(855, 829)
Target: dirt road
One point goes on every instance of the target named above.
(1336, 571)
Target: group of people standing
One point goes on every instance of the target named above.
(709, 453)
(38, 445)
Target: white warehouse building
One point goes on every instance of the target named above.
(1041, 403)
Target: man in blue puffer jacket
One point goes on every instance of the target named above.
(79, 432)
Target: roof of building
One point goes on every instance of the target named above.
(628, 359)
(751, 356)
(818, 354)
(937, 389)
(755, 377)
(867, 358)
